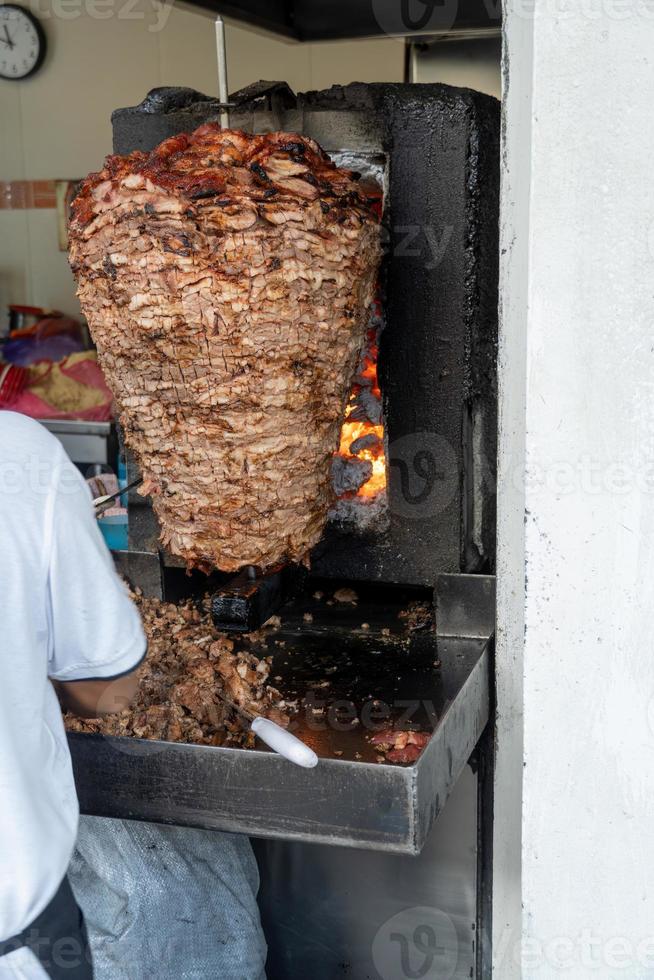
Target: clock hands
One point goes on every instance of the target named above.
(7, 40)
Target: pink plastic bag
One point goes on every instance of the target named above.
(84, 379)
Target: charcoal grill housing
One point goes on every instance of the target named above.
(437, 360)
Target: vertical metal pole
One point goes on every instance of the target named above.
(221, 51)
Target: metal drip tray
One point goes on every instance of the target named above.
(354, 670)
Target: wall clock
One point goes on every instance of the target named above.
(22, 42)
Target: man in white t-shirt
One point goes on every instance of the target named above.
(66, 622)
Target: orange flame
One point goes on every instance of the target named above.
(352, 430)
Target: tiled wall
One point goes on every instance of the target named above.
(20, 194)
(56, 125)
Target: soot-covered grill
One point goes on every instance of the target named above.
(414, 482)
(414, 472)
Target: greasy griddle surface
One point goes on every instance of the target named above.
(351, 681)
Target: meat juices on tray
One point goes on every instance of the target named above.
(227, 279)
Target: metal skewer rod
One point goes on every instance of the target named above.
(221, 51)
(100, 502)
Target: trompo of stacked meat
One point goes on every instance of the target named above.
(226, 279)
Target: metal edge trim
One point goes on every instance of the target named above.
(435, 754)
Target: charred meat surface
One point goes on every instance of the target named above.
(227, 281)
(187, 662)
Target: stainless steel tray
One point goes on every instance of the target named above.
(349, 799)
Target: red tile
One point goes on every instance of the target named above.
(17, 195)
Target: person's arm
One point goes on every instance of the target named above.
(97, 641)
(93, 699)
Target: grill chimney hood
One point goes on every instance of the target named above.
(306, 20)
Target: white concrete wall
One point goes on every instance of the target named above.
(57, 124)
(574, 860)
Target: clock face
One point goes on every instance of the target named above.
(22, 42)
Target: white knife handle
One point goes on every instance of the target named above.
(284, 743)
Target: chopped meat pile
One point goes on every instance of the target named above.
(398, 746)
(348, 596)
(187, 662)
(417, 616)
(227, 279)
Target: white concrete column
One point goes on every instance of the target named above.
(574, 802)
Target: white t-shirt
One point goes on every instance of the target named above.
(64, 614)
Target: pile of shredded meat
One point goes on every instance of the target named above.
(187, 662)
(227, 279)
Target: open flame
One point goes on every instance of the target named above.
(361, 446)
(356, 428)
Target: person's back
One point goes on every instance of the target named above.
(65, 616)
